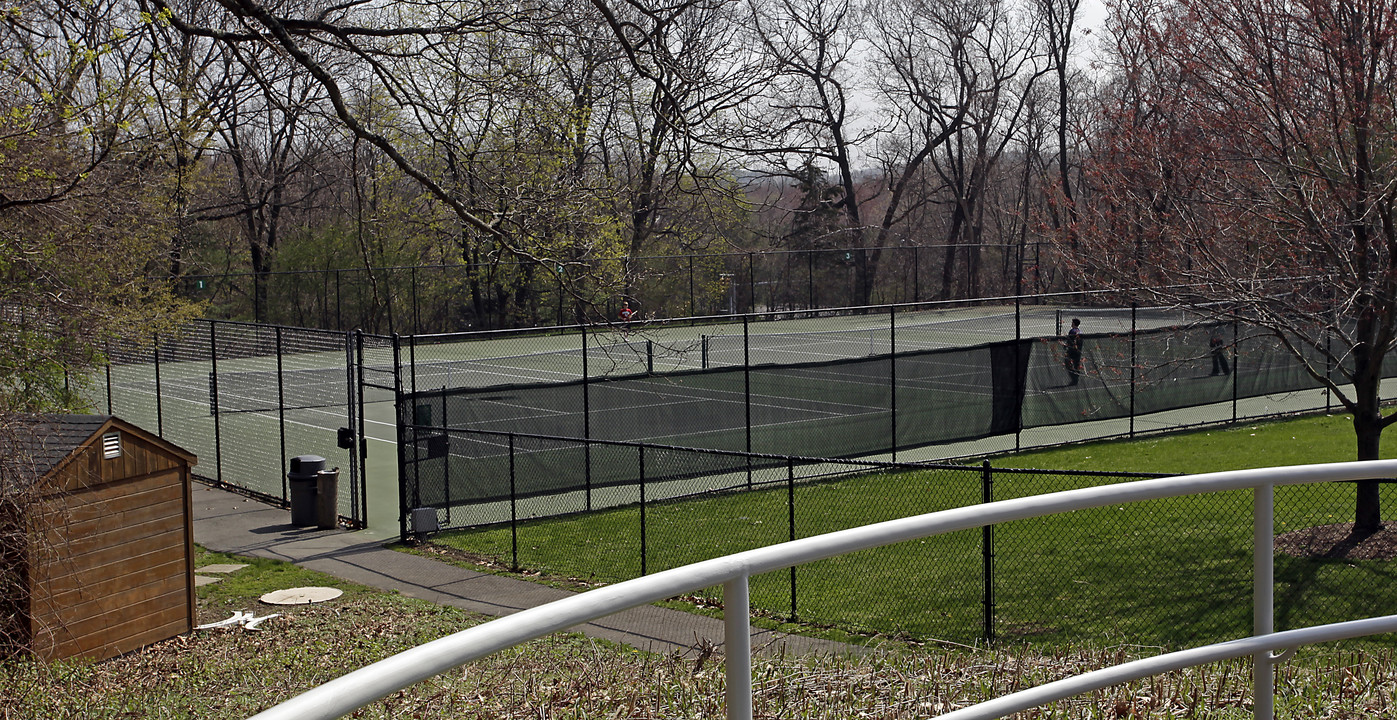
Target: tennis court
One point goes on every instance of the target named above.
(874, 383)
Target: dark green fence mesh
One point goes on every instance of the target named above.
(851, 386)
(1175, 572)
(244, 398)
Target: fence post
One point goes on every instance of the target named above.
(416, 311)
(892, 377)
(640, 449)
(747, 392)
(213, 400)
(1236, 360)
(751, 283)
(361, 443)
(917, 273)
(692, 301)
(159, 390)
(987, 550)
(444, 425)
(586, 422)
(403, 430)
(791, 523)
(109, 381)
(513, 512)
(810, 276)
(1328, 367)
(281, 413)
(1134, 334)
(1018, 370)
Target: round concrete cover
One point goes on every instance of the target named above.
(301, 596)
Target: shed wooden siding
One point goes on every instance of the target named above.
(113, 569)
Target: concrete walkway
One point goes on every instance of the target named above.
(231, 523)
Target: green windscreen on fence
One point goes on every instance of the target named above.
(865, 402)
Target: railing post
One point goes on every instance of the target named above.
(1263, 606)
(737, 647)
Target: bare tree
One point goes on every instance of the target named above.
(1059, 25)
(811, 119)
(960, 73)
(1245, 161)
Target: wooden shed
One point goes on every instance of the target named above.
(100, 558)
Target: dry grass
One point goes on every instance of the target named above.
(235, 673)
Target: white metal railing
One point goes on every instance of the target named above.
(360, 687)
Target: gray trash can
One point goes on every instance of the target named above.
(327, 499)
(303, 477)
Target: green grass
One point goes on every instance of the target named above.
(233, 673)
(1301, 441)
(1169, 572)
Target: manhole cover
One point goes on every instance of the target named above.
(301, 596)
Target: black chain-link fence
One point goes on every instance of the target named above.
(244, 398)
(494, 295)
(895, 383)
(1175, 572)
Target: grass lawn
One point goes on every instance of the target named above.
(1170, 572)
(234, 673)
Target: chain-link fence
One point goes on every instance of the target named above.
(245, 399)
(1174, 572)
(453, 298)
(896, 382)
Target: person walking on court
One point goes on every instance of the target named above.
(1219, 350)
(1073, 361)
(625, 315)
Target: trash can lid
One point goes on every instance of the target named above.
(306, 466)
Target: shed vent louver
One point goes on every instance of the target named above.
(111, 445)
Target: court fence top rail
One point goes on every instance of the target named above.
(360, 687)
(437, 297)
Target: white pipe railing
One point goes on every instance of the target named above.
(360, 687)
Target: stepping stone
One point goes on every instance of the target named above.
(226, 568)
(301, 596)
(202, 580)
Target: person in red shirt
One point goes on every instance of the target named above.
(626, 314)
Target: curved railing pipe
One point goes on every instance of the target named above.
(360, 687)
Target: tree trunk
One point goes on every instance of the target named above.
(1367, 517)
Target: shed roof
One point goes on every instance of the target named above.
(34, 445)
